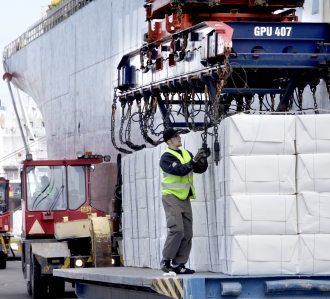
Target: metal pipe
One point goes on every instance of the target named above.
(292, 285)
(7, 77)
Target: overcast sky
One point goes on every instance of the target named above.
(16, 16)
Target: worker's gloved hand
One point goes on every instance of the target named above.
(200, 155)
(208, 152)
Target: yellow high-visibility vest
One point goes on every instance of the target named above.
(179, 185)
(49, 191)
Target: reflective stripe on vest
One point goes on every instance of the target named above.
(49, 191)
(178, 185)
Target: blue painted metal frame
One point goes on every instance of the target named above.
(199, 287)
(303, 37)
(300, 52)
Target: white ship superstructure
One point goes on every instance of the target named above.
(12, 149)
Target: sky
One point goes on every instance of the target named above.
(16, 16)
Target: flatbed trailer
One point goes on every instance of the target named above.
(133, 283)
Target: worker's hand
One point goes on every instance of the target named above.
(200, 155)
(208, 152)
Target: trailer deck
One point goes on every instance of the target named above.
(133, 283)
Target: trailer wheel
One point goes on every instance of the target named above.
(29, 288)
(38, 284)
(56, 287)
(3, 260)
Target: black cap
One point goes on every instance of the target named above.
(170, 132)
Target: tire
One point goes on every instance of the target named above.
(38, 283)
(56, 287)
(29, 288)
(3, 260)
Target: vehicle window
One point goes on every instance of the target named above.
(76, 186)
(46, 188)
(2, 197)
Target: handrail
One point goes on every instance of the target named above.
(44, 25)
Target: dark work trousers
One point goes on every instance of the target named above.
(179, 220)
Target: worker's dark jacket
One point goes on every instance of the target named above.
(172, 165)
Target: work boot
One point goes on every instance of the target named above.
(181, 269)
(165, 265)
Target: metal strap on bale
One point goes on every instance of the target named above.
(170, 287)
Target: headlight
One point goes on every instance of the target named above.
(113, 261)
(79, 263)
(106, 158)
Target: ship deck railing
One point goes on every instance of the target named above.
(54, 17)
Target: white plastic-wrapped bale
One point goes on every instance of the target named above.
(258, 215)
(260, 255)
(313, 213)
(244, 134)
(241, 175)
(312, 134)
(313, 173)
(314, 255)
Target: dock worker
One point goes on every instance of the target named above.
(45, 187)
(42, 192)
(177, 189)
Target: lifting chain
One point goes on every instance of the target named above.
(248, 104)
(122, 122)
(113, 124)
(272, 98)
(223, 72)
(216, 145)
(179, 100)
(205, 127)
(143, 124)
(169, 109)
(128, 130)
(139, 110)
(261, 100)
(290, 103)
(300, 99)
(166, 119)
(113, 116)
(129, 122)
(178, 4)
(193, 109)
(185, 108)
(313, 90)
(145, 117)
(152, 116)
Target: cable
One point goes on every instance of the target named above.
(22, 149)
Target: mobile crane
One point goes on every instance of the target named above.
(61, 228)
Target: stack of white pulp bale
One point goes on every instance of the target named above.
(257, 203)
(204, 252)
(144, 222)
(263, 210)
(313, 192)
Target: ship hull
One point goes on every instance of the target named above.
(70, 71)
